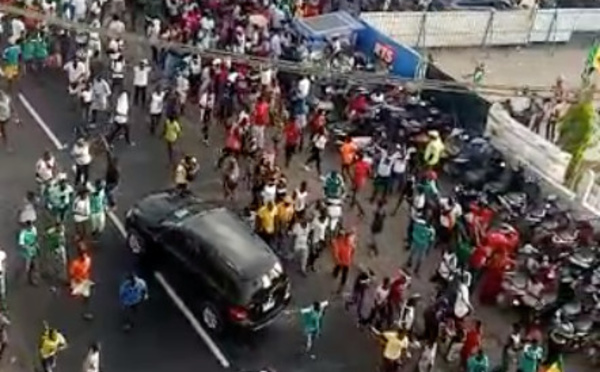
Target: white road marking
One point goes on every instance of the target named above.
(117, 222)
(192, 319)
(40, 122)
(121, 228)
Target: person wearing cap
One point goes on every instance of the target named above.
(434, 149)
(141, 77)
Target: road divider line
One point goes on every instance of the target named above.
(118, 224)
(40, 122)
(192, 319)
(121, 229)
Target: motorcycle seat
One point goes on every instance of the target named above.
(572, 308)
(528, 249)
(564, 238)
(516, 197)
(581, 261)
(584, 325)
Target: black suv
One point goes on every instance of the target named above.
(240, 280)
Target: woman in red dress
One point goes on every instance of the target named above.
(472, 342)
(491, 283)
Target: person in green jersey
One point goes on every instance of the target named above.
(57, 252)
(27, 49)
(40, 51)
(29, 249)
(98, 203)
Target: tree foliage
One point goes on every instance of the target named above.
(576, 134)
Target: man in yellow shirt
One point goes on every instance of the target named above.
(433, 151)
(52, 342)
(396, 344)
(265, 222)
(285, 214)
(171, 134)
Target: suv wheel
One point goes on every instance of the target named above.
(210, 318)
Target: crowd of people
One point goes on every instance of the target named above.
(272, 129)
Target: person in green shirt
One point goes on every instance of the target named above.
(29, 249)
(98, 203)
(56, 247)
(312, 322)
(40, 51)
(422, 237)
(171, 134)
(60, 197)
(11, 57)
(478, 362)
(27, 48)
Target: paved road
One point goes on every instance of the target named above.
(164, 340)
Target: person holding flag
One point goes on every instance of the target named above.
(592, 63)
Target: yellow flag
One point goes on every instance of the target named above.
(596, 64)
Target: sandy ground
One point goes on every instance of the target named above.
(535, 66)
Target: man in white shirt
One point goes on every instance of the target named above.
(17, 28)
(100, 97)
(157, 103)
(76, 74)
(304, 87)
(383, 175)
(116, 26)
(82, 157)
(117, 70)
(121, 119)
(318, 239)
(301, 232)
(141, 76)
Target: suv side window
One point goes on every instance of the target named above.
(178, 244)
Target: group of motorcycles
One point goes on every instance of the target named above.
(554, 277)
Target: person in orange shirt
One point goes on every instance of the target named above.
(79, 275)
(343, 254)
(348, 154)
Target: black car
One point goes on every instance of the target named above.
(238, 279)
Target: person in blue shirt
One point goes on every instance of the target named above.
(133, 291)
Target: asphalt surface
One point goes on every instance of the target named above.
(163, 339)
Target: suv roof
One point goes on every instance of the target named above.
(224, 235)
